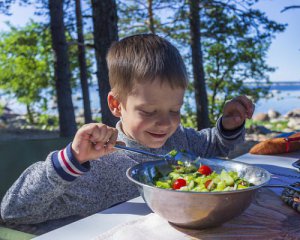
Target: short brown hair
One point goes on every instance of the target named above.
(144, 57)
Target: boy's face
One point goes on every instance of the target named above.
(152, 113)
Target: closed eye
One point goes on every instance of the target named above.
(175, 112)
(147, 113)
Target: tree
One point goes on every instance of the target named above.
(236, 41)
(25, 65)
(42, 6)
(105, 32)
(150, 16)
(5, 6)
(197, 66)
(62, 69)
(82, 64)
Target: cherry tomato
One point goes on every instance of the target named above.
(205, 170)
(179, 183)
(208, 184)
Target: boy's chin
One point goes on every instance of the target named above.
(155, 145)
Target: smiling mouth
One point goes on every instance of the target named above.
(158, 135)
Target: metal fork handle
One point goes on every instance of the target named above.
(139, 151)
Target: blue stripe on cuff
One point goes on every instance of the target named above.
(82, 167)
(58, 168)
(229, 134)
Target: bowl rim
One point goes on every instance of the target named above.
(255, 187)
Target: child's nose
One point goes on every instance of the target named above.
(163, 120)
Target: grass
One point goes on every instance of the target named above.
(277, 126)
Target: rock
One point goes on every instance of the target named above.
(260, 137)
(7, 116)
(17, 122)
(294, 123)
(279, 119)
(273, 114)
(294, 113)
(261, 117)
(258, 130)
(287, 130)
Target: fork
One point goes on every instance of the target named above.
(171, 157)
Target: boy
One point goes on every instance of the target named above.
(148, 79)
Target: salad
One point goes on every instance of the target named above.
(202, 179)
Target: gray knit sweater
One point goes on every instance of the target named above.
(46, 191)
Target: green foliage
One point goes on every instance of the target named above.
(47, 122)
(98, 119)
(235, 47)
(27, 69)
(25, 62)
(277, 126)
(1, 109)
(42, 121)
(189, 120)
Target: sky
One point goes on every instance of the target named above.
(284, 53)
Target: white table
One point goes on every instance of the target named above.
(98, 223)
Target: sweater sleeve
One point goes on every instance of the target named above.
(39, 193)
(214, 142)
(67, 166)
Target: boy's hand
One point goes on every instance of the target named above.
(236, 111)
(93, 141)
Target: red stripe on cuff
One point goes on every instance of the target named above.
(67, 164)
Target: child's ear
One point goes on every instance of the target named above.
(114, 105)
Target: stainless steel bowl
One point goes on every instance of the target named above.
(197, 209)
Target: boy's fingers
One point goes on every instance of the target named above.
(101, 133)
(232, 121)
(241, 100)
(108, 134)
(235, 109)
(98, 146)
(247, 104)
(91, 131)
(105, 139)
(112, 139)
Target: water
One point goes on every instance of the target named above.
(285, 98)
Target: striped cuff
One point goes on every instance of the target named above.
(67, 166)
(229, 134)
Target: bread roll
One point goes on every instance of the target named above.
(277, 145)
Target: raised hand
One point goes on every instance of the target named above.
(93, 141)
(236, 111)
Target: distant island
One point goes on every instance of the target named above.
(277, 84)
